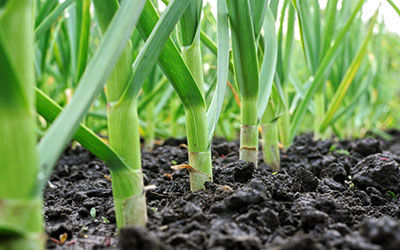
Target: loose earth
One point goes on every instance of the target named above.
(328, 195)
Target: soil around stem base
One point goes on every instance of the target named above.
(321, 198)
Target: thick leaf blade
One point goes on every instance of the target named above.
(171, 61)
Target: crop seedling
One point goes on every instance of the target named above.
(93, 212)
(105, 220)
(107, 73)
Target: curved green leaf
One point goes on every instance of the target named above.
(395, 7)
(49, 109)
(171, 61)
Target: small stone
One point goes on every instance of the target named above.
(224, 188)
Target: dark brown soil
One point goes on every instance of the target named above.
(328, 195)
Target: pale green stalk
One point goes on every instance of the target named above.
(134, 209)
(199, 153)
(196, 121)
(249, 130)
(246, 75)
(123, 133)
(123, 124)
(123, 130)
(270, 144)
(270, 134)
(20, 209)
(267, 113)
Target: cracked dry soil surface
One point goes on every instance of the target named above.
(328, 195)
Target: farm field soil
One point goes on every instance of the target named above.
(310, 204)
